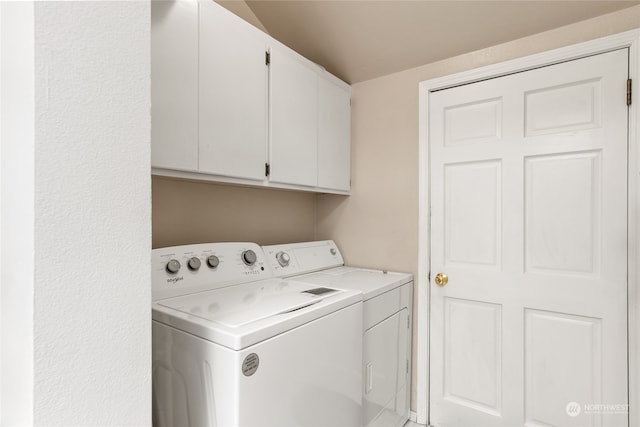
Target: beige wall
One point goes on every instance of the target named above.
(378, 225)
(196, 212)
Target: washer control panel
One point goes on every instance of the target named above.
(299, 258)
(179, 270)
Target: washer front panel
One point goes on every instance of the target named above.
(308, 376)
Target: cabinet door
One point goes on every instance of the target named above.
(174, 85)
(334, 136)
(233, 95)
(294, 120)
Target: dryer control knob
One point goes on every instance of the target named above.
(213, 261)
(173, 266)
(283, 258)
(194, 263)
(249, 257)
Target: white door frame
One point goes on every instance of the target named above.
(629, 39)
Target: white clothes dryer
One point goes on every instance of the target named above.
(387, 318)
(233, 346)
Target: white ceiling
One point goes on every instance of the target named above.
(360, 40)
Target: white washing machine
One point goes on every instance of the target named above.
(233, 346)
(387, 314)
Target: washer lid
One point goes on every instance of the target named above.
(239, 316)
(241, 305)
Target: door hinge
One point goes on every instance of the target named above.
(267, 58)
(629, 91)
(407, 366)
(267, 169)
(408, 322)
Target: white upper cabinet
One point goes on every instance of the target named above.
(294, 119)
(221, 113)
(174, 85)
(233, 95)
(334, 134)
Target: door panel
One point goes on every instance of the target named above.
(551, 342)
(574, 106)
(566, 238)
(473, 368)
(483, 249)
(475, 122)
(529, 221)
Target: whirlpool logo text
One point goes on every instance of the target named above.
(175, 279)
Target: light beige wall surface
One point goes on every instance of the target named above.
(186, 212)
(378, 225)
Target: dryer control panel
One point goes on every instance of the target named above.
(180, 270)
(300, 258)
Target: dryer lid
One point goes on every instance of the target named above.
(370, 282)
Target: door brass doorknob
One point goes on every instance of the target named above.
(442, 279)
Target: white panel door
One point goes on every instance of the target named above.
(334, 136)
(529, 222)
(233, 95)
(174, 84)
(294, 120)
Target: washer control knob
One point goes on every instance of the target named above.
(249, 257)
(213, 261)
(283, 258)
(173, 266)
(194, 263)
(333, 251)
